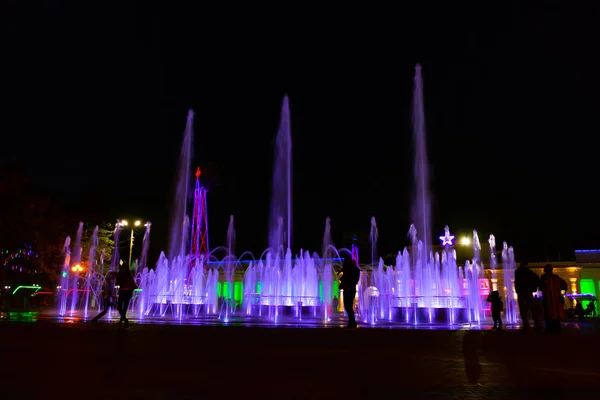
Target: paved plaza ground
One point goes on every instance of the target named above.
(48, 360)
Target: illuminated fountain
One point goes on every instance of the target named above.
(63, 289)
(422, 288)
(91, 270)
(76, 261)
(510, 302)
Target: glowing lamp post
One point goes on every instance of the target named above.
(136, 224)
(465, 241)
(77, 268)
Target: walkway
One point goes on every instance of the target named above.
(47, 359)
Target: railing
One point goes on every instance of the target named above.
(426, 301)
(177, 299)
(280, 300)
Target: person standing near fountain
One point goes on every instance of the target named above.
(526, 283)
(551, 286)
(107, 297)
(348, 282)
(494, 298)
(126, 285)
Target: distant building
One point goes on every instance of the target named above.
(582, 275)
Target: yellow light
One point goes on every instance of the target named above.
(138, 222)
(465, 241)
(77, 268)
(124, 222)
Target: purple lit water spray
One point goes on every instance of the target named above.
(280, 225)
(509, 266)
(421, 207)
(91, 270)
(145, 247)
(230, 269)
(63, 290)
(76, 260)
(114, 261)
(327, 274)
(179, 232)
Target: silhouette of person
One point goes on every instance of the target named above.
(554, 311)
(591, 309)
(526, 283)
(579, 311)
(126, 285)
(348, 281)
(107, 295)
(494, 298)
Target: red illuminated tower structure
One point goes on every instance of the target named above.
(199, 242)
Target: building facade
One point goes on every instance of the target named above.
(581, 275)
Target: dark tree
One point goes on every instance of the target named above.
(30, 217)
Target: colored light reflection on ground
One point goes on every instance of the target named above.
(336, 321)
(23, 316)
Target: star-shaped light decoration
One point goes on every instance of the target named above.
(447, 238)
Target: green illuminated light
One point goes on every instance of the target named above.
(27, 287)
(238, 292)
(587, 287)
(321, 291)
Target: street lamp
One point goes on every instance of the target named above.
(77, 268)
(136, 224)
(465, 241)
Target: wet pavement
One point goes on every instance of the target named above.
(46, 359)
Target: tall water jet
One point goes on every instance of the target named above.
(476, 248)
(229, 268)
(91, 270)
(493, 259)
(92, 252)
(178, 228)
(102, 255)
(509, 266)
(114, 261)
(421, 206)
(327, 280)
(64, 277)
(280, 223)
(145, 246)
(76, 260)
(327, 251)
(373, 237)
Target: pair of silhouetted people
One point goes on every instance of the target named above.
(526, 283)
(126, 284)
(348, 281)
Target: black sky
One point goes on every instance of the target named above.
(96, 96)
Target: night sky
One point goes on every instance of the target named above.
(95, 104)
